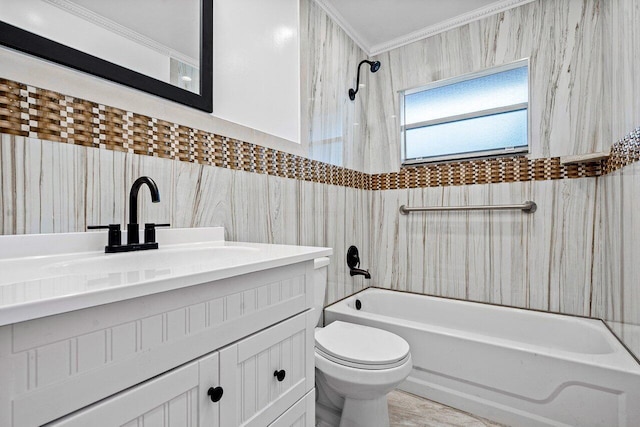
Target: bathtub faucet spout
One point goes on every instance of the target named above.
(353, 262)
(360, 272)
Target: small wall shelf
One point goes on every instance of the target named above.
(584, 158)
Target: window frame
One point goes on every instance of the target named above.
(473, 115)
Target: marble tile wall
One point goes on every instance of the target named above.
(51, 187)
(622, 62)
(541, 260)
(616, 276)
(617, 272)
(332, 123)
(564, 41)
(576, 253)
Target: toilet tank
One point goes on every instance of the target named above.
(321, 266)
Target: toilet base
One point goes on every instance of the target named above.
(326, 417)
(347, 412)
(369, 413)
(356, 413)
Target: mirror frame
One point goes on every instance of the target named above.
(27, 42)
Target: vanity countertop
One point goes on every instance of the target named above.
(47, 274)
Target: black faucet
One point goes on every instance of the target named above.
(133, 228)
(353, 261)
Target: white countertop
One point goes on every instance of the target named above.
(47, 274)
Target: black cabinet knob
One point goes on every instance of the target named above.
(280, 375)
(215, 393)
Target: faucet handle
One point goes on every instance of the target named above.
(150, 231)
(114, 238)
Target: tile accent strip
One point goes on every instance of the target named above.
(623, 153)
(489, 171)
(38, 113)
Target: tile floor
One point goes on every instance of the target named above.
(408, 410)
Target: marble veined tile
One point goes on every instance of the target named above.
(564, 41)
(616, 278)
(42, 186)
(249, 196)
(202, 196)
(608, 254)
(332, 124)
(622, 64)
(282, 210)
(542, 260)
(356, 233)
(335, 231)
(562, 240)
(107, 192)
(386, 238)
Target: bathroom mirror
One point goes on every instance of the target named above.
(163, 47)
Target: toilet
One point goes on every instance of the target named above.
(356, 366)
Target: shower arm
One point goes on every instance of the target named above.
(352, 92)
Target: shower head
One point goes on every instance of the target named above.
(374, 66)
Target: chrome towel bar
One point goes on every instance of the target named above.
(527, 207)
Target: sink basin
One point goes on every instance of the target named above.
(170, 259)
(150, 263)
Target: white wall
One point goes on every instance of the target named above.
(256, 61)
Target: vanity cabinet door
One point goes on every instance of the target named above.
(302, 414)
(178, 398)
(268, 372)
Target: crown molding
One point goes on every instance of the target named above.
(121, 30)
(458, 21)
(342, 23)
(423, 33)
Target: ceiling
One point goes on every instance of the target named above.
(381, 25)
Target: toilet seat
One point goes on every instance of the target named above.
(360, 346)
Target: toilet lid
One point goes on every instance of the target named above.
(361, 345)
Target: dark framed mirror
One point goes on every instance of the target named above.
(160, 47)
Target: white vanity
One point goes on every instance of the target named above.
(200, 332)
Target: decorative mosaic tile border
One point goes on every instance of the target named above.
(623, 153)
(489, 171)
(38, 113)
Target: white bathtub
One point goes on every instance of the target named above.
(518, 367)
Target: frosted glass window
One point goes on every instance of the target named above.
(488, 133)
(471, 116)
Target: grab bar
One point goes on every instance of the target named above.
(527, 207)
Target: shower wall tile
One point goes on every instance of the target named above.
(541, 260)
(335, 203)
(333, 124)
(385, 236)
(617, 273)
(356, 217)
(622, 64)
(564, 41)
(561, 255)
